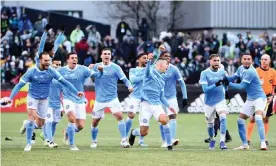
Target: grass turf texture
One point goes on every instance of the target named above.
(192, 150)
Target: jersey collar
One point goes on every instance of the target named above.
(106, 65)
(72, 69)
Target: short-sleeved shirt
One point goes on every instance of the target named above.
(268, 79)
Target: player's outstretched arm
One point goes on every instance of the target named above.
(241, 85)
(59, 39)
(232, 78)
(207, 88)
(16, 89)
(42, 42)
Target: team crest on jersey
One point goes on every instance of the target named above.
(145, 120)
(131, 107)
(67, 106)
(30, 103)
(48, 115)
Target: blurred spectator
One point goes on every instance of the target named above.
(4, 23)
(76, 35)
(13, 21)
(121, 30)
(255, 51)
(143, 29)
(40, 24)
(25, 24)
(94, 37)
(82, 49)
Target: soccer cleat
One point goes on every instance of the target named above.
(243, 147)
(266, 142)
(228, 138)
(207, 140)
(142, 144)
(65, 137)
(94, 144)
(170, 147)
(164, 144)
(54, 145)
(175, 142)
(212, 144)
(263, 146)
(73, 148)
(23, 127)
(125, 144)
(28, 148)
(131, 138)
(33, 138)
(223, 145)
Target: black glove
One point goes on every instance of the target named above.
(48, 27)
(220, 82)
(225, 81)
(62, 27)
(185, 102)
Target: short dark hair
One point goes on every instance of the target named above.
(213, 56)
(245, 53)
(106, 49)
(43, 53)
(55, 59)
(48, 46)
(69, 54)
(141, 54)
(163, 53)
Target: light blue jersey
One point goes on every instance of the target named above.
(76, 77)
(153, 87)
(55, 95)
(106, 85)
(136, 76)
(254, 90)
(171, 76)
(209, 78)
(40, 82)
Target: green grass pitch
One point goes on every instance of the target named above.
(191, 151)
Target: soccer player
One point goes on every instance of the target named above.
(54, 110)
(136, 76)
(255, 102)
(171, 76)
(51, 50)
(40, 79)
(228, 137)
(107, 97)
(75, 107)
(267, 76)
(152, 100)
(211, 81)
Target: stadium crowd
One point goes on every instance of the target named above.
(20, 39)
